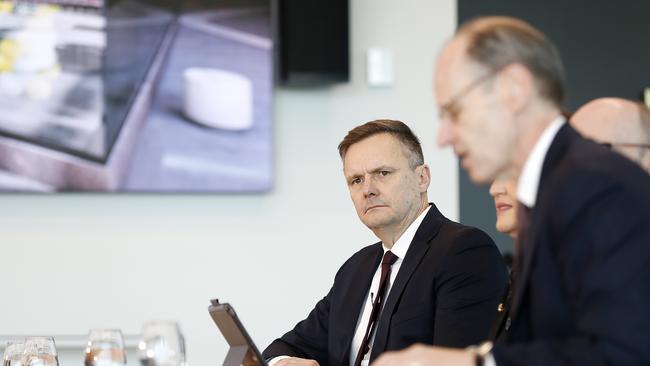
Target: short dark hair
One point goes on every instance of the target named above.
(397, 129)
(498, 41)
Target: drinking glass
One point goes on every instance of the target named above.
(13, 355)
(40, 351)
(105, 348)
(161, 344)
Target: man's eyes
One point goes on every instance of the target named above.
(359, 180)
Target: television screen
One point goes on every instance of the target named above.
(136, 96)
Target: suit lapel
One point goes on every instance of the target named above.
(527, 250)
(355, 294)
(563, 139)
(419, 246)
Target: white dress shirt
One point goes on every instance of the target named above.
(400, 248)
(531, 173)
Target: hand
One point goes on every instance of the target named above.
(421, 355)
(295, 361)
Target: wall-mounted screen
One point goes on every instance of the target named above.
(136, 96)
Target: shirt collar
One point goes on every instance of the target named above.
(531, 173)
(402, 244)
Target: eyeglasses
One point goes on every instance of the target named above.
(452, 107)
(611, 145)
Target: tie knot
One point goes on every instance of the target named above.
(389, 258)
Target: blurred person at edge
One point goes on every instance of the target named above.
(623, 125)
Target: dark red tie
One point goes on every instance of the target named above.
(386, 263)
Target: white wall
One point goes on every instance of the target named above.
(71, 262)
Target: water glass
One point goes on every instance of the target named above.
(40, 351)
(161, 344)
(13, 355)
(105, 348)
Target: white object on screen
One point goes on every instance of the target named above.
(218, 98)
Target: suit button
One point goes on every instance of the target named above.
(500, 307)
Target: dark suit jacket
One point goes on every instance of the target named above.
(500, 329)
(582, 296)
(446, 292)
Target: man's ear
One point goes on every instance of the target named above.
(424, 177)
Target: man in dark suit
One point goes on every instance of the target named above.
(582, 268)
(439, 282)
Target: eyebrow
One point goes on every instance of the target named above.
(383, 167)
(373, 171)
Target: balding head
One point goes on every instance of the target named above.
(494, 76)
(622, 123)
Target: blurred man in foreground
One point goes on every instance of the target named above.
(582, 284)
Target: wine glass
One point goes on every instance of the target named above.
(40, 351)
(13, 355)
(161, 344)
(105, 348)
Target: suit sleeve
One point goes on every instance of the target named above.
(602, 249)
(468, 290)
(308, 339)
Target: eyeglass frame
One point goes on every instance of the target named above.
(642, 147)
(611, 145)
(452, 106)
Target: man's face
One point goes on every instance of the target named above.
(615, 122)
(385, 190)
(611, 132)
(473, 120)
